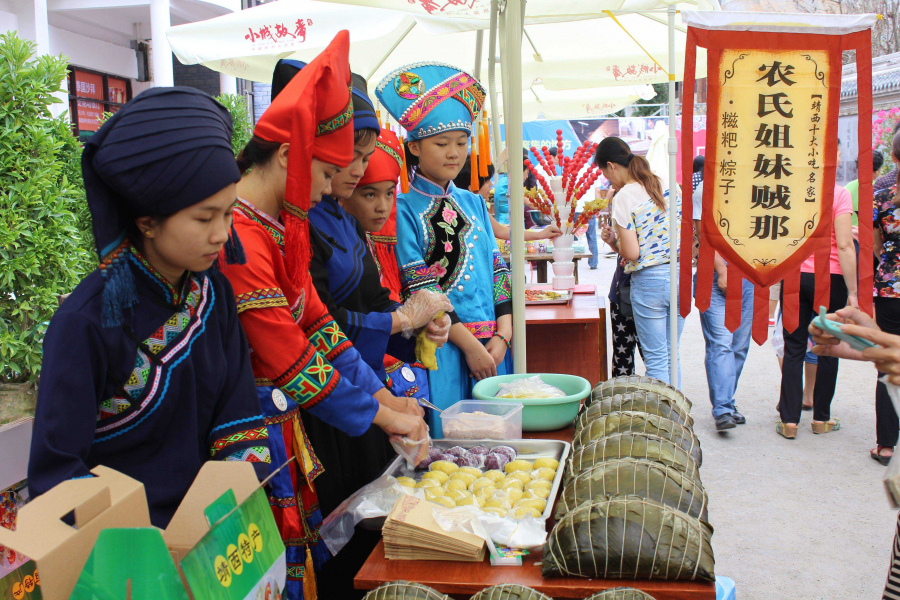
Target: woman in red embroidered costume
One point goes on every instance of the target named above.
(301, 358)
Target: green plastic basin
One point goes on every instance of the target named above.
(540, 414)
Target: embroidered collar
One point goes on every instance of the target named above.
(274, 227)
(258, 213)
(427, 187)
(173, 295)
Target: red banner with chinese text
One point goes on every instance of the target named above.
(771, 153)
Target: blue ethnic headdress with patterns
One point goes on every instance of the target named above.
(428, 98)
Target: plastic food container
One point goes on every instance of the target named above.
(563, 269)
(502, 421)
(540, 414)
(563, 255)
(564, 283)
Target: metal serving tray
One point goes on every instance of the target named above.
(525, 449)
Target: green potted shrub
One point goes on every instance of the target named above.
(240, 117)
(45, 239)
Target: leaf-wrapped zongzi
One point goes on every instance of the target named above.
(639, 422)
(509, 591)
(631, 445)
(635, 477)
(621, 594)
(648, 402)
(627, 537)
(635, 383)
(404, 590)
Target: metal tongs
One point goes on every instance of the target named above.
(427, 404)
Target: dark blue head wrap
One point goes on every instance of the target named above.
(364, 116)
(164, 151)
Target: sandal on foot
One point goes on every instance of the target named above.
(882, 458)
(828, 427)
(807, 406)
(786, 430)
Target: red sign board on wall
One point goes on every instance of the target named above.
(89, 85)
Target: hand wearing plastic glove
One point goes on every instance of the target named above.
(420, 310)
(439, 330)
(399, 424)
(407, 406)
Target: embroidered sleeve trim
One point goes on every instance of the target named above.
(326, 335)
(250, 435)
(482, 329)
(417, 276)
(310, 380)
(258, 454)
(262, 298)
(502, 283)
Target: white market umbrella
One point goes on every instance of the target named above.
(540, 103)
(248, 43)
(610, 43)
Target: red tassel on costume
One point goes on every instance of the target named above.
(404, 173)
(390, 270)
(473, 169)
(484, 153)
(297, 247)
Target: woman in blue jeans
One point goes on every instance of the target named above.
(640, 234)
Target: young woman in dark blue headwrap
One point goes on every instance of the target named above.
(146, 369)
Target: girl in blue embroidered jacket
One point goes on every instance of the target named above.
(444, 239)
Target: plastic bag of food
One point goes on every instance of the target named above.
(413, 451)
(529, 387)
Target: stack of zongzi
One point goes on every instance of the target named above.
(632, 505)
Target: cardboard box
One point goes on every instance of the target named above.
(58, 550)
(113, 500)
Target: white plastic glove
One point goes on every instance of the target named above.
(421, 310)
(439, 330)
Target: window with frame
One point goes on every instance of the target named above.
(91, 94)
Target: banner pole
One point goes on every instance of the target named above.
(673, 213)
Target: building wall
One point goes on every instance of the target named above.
(262, 98)
(93, 54)
(196, 76)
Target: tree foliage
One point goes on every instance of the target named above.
(240, 116)
(885, 34)
(45, 240)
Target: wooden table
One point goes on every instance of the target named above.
(568, 338)
(461, 580)
(541, 259)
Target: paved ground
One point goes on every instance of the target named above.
(803, 519)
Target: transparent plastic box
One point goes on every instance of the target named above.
(501, 421)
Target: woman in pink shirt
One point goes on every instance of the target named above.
(843, 292)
